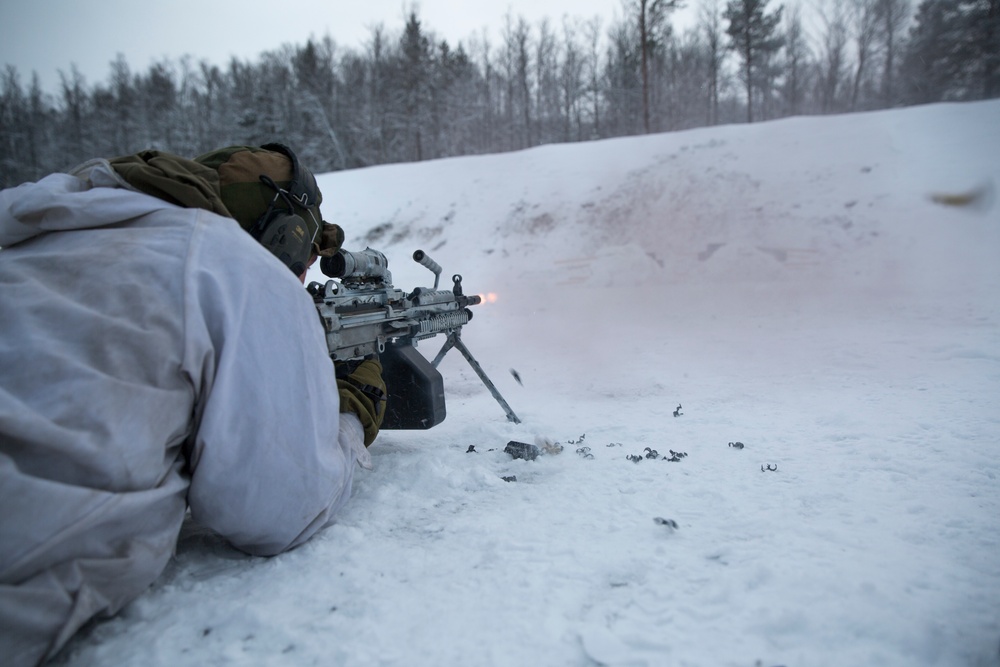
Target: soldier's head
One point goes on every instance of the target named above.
(276, 200)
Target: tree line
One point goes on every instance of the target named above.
(408, 96)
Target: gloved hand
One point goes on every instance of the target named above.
(363, 392)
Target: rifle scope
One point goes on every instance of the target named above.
(357, 265)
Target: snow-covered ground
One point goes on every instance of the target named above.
(807, 287)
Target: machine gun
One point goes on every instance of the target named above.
(364, 316)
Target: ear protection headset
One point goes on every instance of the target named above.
(281, 229)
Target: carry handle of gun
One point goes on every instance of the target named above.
(421, 258)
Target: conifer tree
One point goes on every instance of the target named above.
(754, 35)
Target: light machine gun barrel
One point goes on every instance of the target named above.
(364, 316)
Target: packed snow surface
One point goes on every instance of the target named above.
(824, 291)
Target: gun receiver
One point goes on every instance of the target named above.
(364, 316)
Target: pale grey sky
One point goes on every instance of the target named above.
(46, 36)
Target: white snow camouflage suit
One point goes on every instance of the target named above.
(152, 358)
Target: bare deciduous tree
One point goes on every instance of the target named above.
(832, 62)
(865, 24)
(796, 57)
(651, 18)
(892, 15)
(710, 21)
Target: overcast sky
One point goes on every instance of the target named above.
(46, 36)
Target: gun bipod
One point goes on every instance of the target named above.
(455, 340)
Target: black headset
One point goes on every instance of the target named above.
(280, 229)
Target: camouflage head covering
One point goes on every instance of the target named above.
(172, 178)
(255, 180)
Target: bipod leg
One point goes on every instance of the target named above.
(456, 342)
(448, 344)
